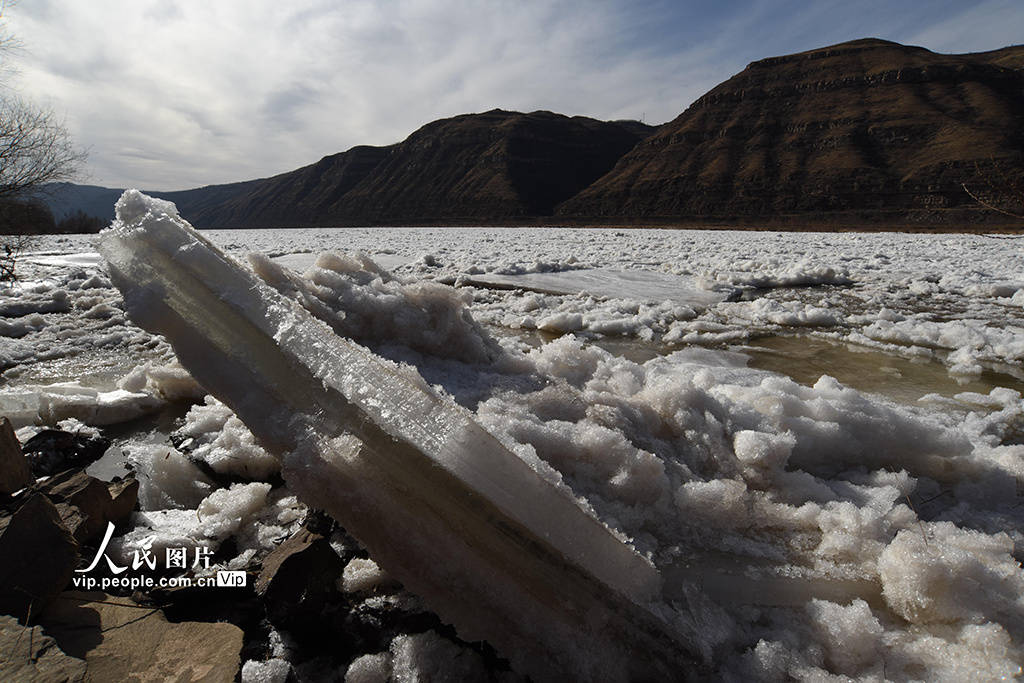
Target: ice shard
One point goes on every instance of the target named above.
(490, 545)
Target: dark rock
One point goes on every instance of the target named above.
(124, 494)
(298, 584)
(52, 451)
(38, 555)
(304, 554)
(14, 470)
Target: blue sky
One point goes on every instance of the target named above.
(171, 94)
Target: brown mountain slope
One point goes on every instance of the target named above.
(296, 198)
(862, 131)
(486, 167)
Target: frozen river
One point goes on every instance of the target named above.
(835, 418)
(952, 300)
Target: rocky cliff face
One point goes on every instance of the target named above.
(867, 131)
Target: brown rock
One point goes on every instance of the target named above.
(123, 496)
(86, 504)
(14, 470)
(38, 555)
(121, 640)
(306, 557)
(27, 654)
(82, 502)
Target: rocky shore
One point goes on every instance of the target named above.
(314, 607)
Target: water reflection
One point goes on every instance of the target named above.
(805, 359)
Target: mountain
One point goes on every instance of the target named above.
(211, 201)
(64, 199)
(486, 167)
(865, 131)
(296, 198)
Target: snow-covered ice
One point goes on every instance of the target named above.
(636, 285)
(826, 467)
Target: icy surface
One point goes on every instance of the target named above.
(215, 435)
(644, 286)
(867, 526)
(271, 671)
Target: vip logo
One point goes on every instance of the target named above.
(230, 579)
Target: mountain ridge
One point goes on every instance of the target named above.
(866, 130)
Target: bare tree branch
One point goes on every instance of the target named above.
(10, 249)
(35, 148)
(8, 43)
(987, 205)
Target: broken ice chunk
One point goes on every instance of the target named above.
(440, 503)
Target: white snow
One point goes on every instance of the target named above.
(270, 671)
(429, 657)
(221, 440)
(167, 479)
(246, 512)
(375, 668)
(32, 404)
(362, 575)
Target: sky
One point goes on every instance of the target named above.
(174, 94)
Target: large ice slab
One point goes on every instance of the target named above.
(490, 545)
(641, 285)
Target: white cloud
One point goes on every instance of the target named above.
(174, 94)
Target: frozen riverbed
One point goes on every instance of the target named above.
(835, 417)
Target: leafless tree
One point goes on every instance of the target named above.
(10, 248)
(35, 148)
